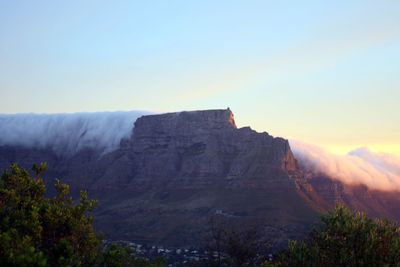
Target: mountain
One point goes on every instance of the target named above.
(176, 172)
(325, 192)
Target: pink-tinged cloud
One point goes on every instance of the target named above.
(376, 170)
(382, 161)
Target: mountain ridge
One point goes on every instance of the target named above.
(177, 171)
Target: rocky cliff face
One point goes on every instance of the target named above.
(203, 147)
(179, 170)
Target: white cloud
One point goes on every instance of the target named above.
(68, 133)
(375, 170)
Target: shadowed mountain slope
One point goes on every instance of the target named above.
(177, 171)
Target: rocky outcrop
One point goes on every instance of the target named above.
(179, 170)
(202, 147)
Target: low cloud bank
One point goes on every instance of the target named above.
(68, 133)
(103, 131)
(376, 170)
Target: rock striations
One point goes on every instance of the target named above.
(204, 147)
(179, 171)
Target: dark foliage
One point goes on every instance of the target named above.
(57, 231)
(345, 239)
(234, 247)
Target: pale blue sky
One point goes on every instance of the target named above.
(321, 71)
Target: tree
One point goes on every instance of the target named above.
(230, 246)
(40, 231)
(242, 247)
(58, 231)
(345, 239)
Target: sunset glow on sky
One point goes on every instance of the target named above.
(326, 72)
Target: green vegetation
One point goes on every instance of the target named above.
(345, 239)
(36, 230)
(39, 231)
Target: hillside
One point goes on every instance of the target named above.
(178, 171)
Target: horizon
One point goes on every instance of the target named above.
(323, 73)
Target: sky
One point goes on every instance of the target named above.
(325, 72)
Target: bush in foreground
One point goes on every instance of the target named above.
(345, 239)
(39, 231)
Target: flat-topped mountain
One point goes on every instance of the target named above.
(179, 170)
(205, 147)
(175, 172)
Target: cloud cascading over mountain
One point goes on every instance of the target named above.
(68, 133)
(103, 131)
(376, 170)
